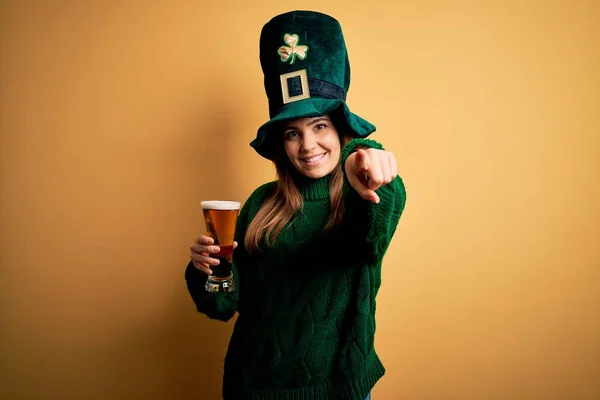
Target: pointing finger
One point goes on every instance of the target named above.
(362, 160)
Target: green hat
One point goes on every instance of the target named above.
(307, 74)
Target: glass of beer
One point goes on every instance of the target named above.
(220, 218)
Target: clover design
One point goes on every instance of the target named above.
(289, 52)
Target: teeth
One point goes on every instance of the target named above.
(317, 158)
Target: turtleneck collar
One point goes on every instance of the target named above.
(312, 189)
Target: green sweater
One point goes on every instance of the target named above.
(306, 306)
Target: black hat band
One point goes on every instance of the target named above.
(297, 86)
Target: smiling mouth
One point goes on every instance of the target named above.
(314, 159)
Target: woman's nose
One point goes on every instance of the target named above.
(308, 142)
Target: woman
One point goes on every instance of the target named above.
(308, 266)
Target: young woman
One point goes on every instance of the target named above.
(311, 244)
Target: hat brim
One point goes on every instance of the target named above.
(264, 144)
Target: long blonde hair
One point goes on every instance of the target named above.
(285, 201)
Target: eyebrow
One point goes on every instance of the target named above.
(311, 123)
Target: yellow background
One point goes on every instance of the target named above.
(118, 118)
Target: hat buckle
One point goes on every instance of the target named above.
(290, 80)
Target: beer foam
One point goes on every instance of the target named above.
(220, 205)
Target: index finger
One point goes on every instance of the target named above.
(362, 160)
(204, 240)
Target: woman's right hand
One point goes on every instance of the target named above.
(201, 250)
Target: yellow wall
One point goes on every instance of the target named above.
(118, 118)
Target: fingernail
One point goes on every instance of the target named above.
(216, 262)
(209, 272)
(216, 249)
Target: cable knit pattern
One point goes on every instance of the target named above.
(306, 306)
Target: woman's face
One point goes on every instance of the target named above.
(312, 145)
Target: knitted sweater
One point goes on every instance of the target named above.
(306, 305)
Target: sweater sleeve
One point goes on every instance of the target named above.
(223, 305)
(371, 226)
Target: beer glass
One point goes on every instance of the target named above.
(220, 218)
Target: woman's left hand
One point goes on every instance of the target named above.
(369, 169)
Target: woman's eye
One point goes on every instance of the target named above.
(291, 135)
(320, 127)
